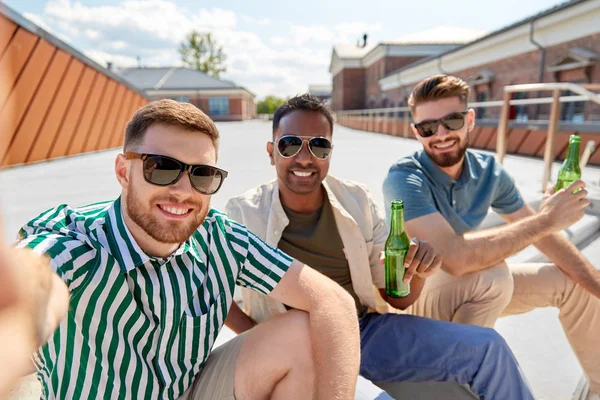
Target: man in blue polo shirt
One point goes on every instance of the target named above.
(447, 192)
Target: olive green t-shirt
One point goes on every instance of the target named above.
(314, 240)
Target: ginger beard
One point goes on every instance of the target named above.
(151, 218)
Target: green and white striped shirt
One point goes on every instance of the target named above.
(140, 327)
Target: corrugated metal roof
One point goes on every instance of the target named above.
(173, 78)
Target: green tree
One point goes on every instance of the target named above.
(269, 104)
(201, 51)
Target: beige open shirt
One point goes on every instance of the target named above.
(361, 225)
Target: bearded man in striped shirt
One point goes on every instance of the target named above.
(151, 278)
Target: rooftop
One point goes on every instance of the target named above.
(173, 78)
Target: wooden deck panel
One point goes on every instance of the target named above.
(87, 117)
(58, 110)
(111, 123)
(13, 60)
(29, 130)
(70, 123)
(23, 93)
(100, 120)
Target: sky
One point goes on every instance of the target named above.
(272, 47)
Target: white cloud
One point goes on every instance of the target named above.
(92, 34)
(277, 40)
(160, 18)
(121, 32)
(104, 58)
(351, 31)
(316, 33)
(118, 45)
(38, 20)
(252, 20)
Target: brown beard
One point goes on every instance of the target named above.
(174, 232)
(448, 160)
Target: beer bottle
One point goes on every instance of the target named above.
(569, 171)
(396, 247)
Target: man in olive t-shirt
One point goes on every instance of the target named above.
(335, 226)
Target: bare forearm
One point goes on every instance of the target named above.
(336, 347)
(570, 260)
(416, 286)
(479, 250)
(237, 320)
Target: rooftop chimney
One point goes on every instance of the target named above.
(109, 65)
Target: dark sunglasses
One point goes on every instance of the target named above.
(451, 122)
(289, 146)
(165, 171)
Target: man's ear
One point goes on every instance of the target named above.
(471, 119)
(270, 149)
(122, 170)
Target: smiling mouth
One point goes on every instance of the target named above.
(445, 145)
(302, 174)
(175, 211)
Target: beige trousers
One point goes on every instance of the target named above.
(482, 297)
(216, 379)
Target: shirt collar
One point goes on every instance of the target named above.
(123, 246)
(441, 177)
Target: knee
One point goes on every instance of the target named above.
(296, 337)
(498, 283)
(493, 342)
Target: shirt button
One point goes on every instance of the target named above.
(276, 232)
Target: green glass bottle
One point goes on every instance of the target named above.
(569, 171)
(396, 247)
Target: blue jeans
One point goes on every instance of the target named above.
(406, 348)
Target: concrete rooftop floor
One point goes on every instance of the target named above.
(536, 337)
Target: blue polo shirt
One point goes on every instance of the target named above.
(464, 203)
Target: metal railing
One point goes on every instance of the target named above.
(583, 93)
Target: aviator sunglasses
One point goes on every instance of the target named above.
(165, 171)
(451, 122)
(288, 146)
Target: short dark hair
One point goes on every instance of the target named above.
(303, 102)
(438, 87)
(169, 112)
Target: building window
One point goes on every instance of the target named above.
(481, 112)
(574, 111)
(519, 112)
(218, 106)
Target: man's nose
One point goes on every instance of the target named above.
(441, 131)
(183, 187)
(304, 156)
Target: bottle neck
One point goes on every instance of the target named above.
(397, 224)
(573, 152)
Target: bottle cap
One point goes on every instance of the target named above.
(575, 138)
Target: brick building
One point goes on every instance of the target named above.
(357, 70)
(220, 99)
(561, 44)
